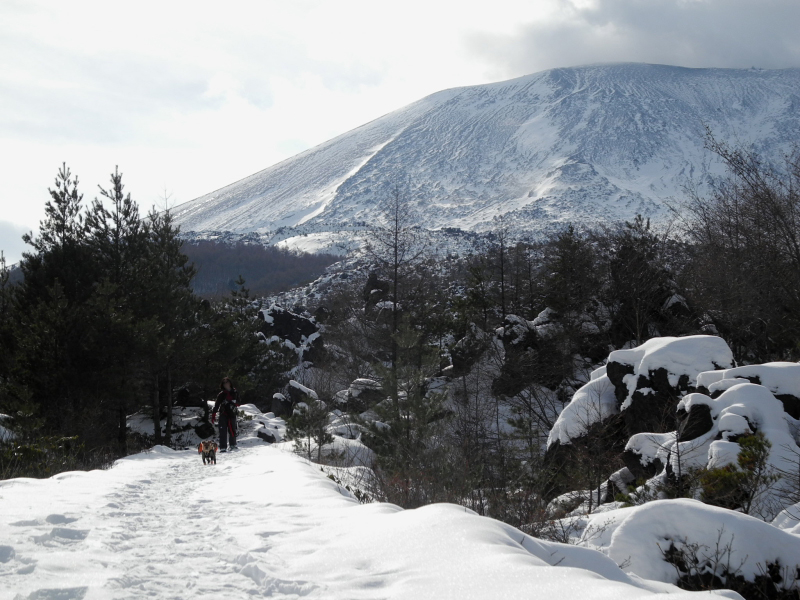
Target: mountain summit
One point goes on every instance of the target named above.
(585, 144)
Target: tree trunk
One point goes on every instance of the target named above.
(122, 437)
(168, 437)
(156, 412)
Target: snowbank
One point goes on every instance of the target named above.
(638, 536)
(789, 519)
(341, 451)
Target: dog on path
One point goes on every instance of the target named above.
(208, 449)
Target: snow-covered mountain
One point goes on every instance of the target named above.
(583, 144)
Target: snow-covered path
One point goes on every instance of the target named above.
(263, 522)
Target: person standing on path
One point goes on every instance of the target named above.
(226, 405)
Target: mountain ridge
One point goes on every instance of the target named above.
(593, 144)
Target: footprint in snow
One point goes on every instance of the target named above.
(61, 535)
(11, 562)
(60, 519)
(6, 553)
(76, 593)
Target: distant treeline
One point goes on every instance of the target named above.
(265, 269)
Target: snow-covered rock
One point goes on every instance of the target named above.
(681, 358)
(780, 378)
(466, 351)
(742, 409)
(639, 537)
(361, 395)
(298, 393)
(650, 378)
(592, 403)
(643, 384)
(296, 332)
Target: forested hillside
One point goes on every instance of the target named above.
(266, 269)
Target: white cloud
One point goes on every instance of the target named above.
(193, 96)
(689, 33)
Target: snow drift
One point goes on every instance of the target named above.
(639, 537)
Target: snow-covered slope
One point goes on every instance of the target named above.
(639, 536)
(584, 144)
(263, 522)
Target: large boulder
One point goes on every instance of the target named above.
(650, 380)
(300, 330)
(204, 430)
(280, 405)
(363, 394)
(299, 393)
(780, 378)
(466, 351)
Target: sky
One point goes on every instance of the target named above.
(187, 97)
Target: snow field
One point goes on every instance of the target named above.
(266, 523)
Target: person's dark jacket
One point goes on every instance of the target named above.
(221, 397)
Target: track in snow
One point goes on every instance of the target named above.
(265, 523)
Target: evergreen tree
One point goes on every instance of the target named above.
(409, 434)
(638, 282)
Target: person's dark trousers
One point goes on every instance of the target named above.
(227, 429)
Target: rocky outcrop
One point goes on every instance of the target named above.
(359, 397)
(711, 428)
(281, 406)
(693, 424)
(299, 393)
(375, 290)
(529, 357)
(650, 380)
(635, 398)
(466, 351)
(297, 332)
(204, 430)
(287, 325)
